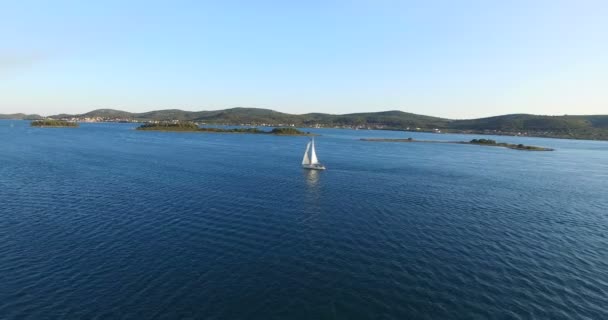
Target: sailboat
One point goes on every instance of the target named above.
(310, 160)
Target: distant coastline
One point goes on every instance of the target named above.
(589, 127)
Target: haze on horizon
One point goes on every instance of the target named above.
(453, 59)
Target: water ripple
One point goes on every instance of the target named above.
(111, 223)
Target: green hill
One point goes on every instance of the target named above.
(576, 127)
(392, 119)
(108, 113)
(584, 127)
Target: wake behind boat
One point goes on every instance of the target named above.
(310, 160)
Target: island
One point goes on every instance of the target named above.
(480, 142)
(193, 127)
(493, 143)
(49, 123)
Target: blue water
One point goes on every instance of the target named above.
(107, 222)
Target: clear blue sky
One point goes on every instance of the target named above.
(458, 59)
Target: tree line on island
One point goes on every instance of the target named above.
(188, 126)
(54, 123)
(490, 142)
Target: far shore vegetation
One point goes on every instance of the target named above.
(594, 127)
(50, 123)
(481, 142)
(184, 126)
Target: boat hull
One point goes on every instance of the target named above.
(313, 166)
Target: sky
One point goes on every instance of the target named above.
(454, 59)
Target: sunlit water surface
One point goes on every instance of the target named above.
(107, 222)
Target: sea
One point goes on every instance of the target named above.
(106, 222)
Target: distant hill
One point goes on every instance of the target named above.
(108, 113)
(20, 116)
(576, 127)
(587, 127)
(393, 119)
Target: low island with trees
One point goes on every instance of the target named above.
(493, 143)
(480, 142)
(183, 126)
(51, 123)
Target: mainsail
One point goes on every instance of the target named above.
(310, 161)
(306, 159)
(313, 154)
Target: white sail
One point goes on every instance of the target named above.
(306, 159)
(313, 154)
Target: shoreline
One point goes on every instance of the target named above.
(227, 132)
(495, 144)
(442, 133)
(378, 129)
(500, 135)
(54, 124)
(54, 127)
(193, 127)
